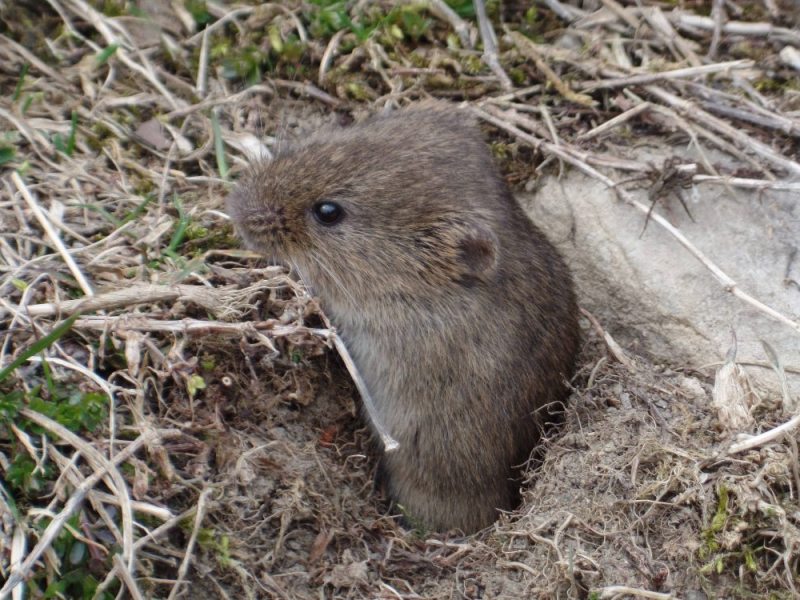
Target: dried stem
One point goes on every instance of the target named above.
(489, 39)
(52, 234)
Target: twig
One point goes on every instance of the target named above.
(212, 102)
(759, 112)
(52, 234)
(187, 557)
(615, 349)
(718, 14)
(126, 577)
(309, 90)
(564, 12)
(766, 437)
(615, 122)
(528, 48)
(782, 124)
(516, 94)
(327, 56)
(612, 591)
(389, 443)
(98, 22)
(742, 138)
(663, 28)
(202, 67)
(673, 74)
(622, 13)
(220, 22)
(490, 45)
(217, 300)
(691, 21)
(753, 184)
(762, 365)
(145, 508)
(196, 327)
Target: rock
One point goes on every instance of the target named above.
(653, 296)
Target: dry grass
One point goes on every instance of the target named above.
(190, 433)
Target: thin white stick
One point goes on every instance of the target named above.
(126, 577)
(389, 443)
(52, 234)
(144, 508)
(618, 120)
(612, 591)
(221, 22)
(187, 556)
(766, 437)
(754, 184)
(673, 74)
(691, 21)
(328, 55)
(489, 40)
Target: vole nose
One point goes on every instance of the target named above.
(264, 220)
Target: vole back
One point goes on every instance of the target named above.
(458, 312)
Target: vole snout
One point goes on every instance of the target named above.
(262, 225)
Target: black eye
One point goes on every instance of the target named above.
(327, 212)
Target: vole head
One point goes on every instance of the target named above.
(401, 205)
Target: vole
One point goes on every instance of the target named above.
(458, 312)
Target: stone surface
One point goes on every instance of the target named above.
(653, 295)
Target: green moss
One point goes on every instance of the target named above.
(472, 64)
(500, 150)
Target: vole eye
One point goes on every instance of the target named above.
(327, 212)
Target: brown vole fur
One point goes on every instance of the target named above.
(458, 312)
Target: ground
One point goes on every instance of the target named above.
(173, 420)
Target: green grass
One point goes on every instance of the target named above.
(67, 146)
(104, 55)
(20, 82)
(7, 154)
(40, 345)
(180, 230)
(219, 146)
(27, 479)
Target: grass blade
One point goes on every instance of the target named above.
(42, 344)
(219, 146)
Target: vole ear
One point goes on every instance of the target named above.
(477, 248)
